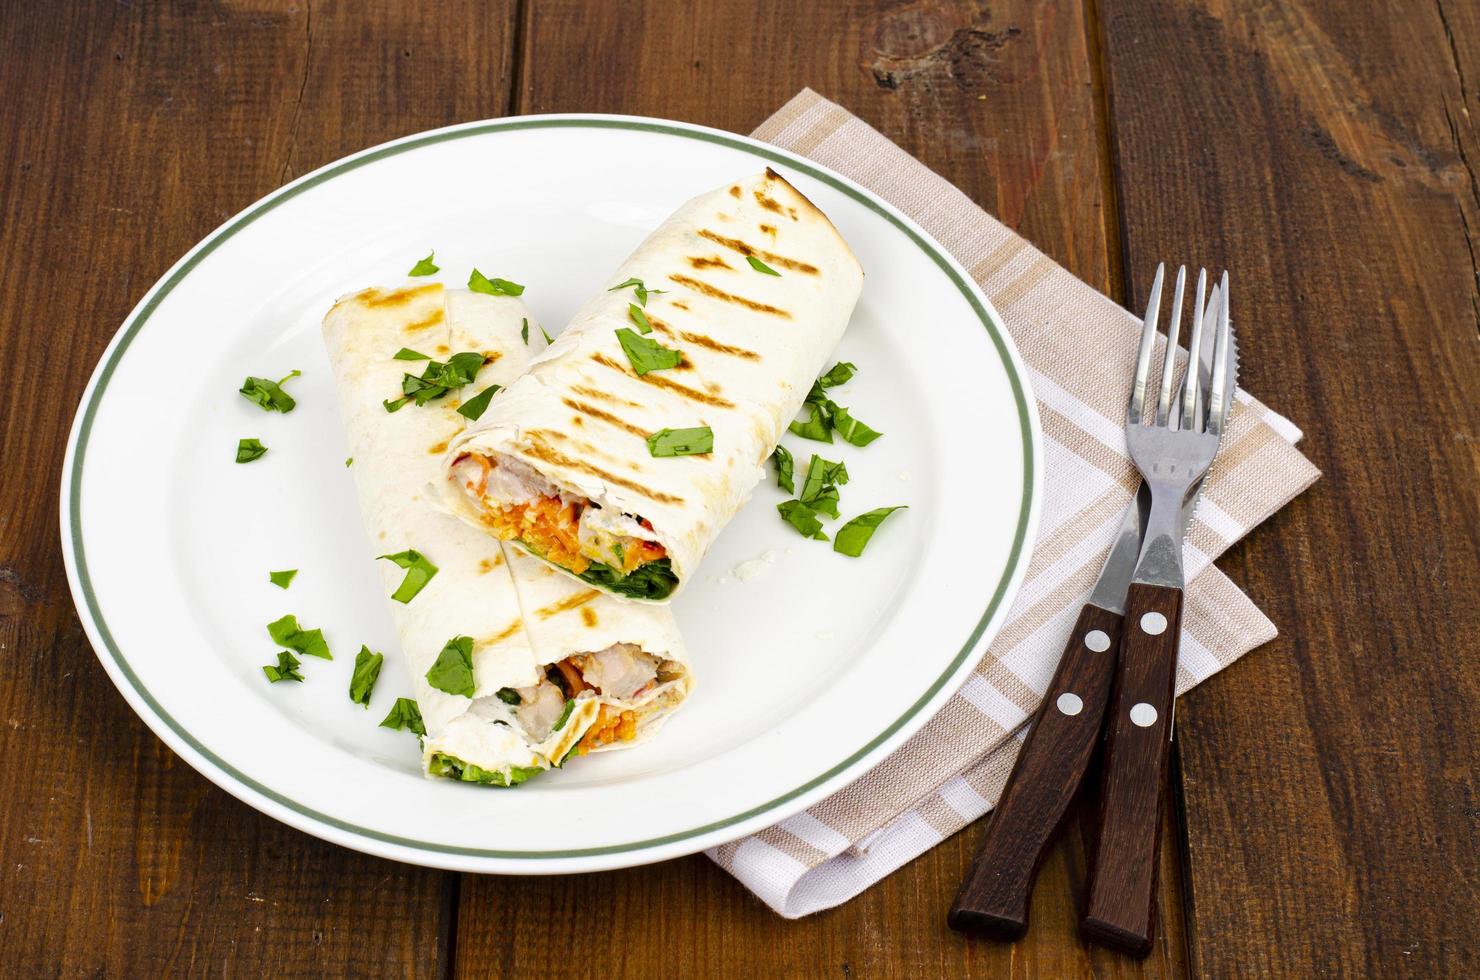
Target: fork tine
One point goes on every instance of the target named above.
(1169, 358)
(1148, 340)
(1193, 381)
(1220, 363)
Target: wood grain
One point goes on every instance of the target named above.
(1327, 153)
(131, 131)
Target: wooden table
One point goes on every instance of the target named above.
(1325, 807)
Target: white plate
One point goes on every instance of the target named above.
(807, 674)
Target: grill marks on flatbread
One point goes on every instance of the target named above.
(596, 413)
(541, 450)
(736, 245)
(714, 292)
(567, 604)
(658, 381)
(378, 298)
(508, 631)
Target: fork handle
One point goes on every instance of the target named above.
(1121, 910)
(993, 899)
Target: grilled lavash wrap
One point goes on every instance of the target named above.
(535, 636)
(561, 464)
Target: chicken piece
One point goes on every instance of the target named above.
(619, 671)
(539, 709)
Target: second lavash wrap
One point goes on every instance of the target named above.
(752, 345)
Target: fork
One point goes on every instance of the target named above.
(1172, 442)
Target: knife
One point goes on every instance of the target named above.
(993, 898)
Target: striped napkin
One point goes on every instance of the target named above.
(1080, 348)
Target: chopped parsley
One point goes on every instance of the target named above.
(851, 429)
(405, 714)
(282, 579)
(437, 379)
(854, 536)
(248, 450)
(824, 416)
(509, 696)
(407, 354)
(839, 374)
(474, 407)
(760, 266)
(638, 288)
(367, 671)
(269, 395)
(286, 669)
(781, 456)
(452, 673)
(548, 339)
(310, 643)
(818, 425)
(645, 354)
(801, 517)
(635, 314)
(425, 267)
(681, 442)
(348, 461)
(820, 489)
(524, 330)
(479, 283)
(419, 572)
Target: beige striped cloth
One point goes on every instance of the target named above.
(1080, 347)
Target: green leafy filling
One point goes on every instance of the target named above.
(655, 580)
(455, 768)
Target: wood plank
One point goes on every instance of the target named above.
(1000, 99)
(132, 130)
(1327, 152)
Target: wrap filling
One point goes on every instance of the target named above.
(601, 546)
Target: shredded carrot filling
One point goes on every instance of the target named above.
(546, 525)
(611, 726)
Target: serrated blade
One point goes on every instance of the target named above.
(1120, 564)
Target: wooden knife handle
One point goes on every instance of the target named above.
(1121, 911)
(993, 899)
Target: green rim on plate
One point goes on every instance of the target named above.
(137, 320)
